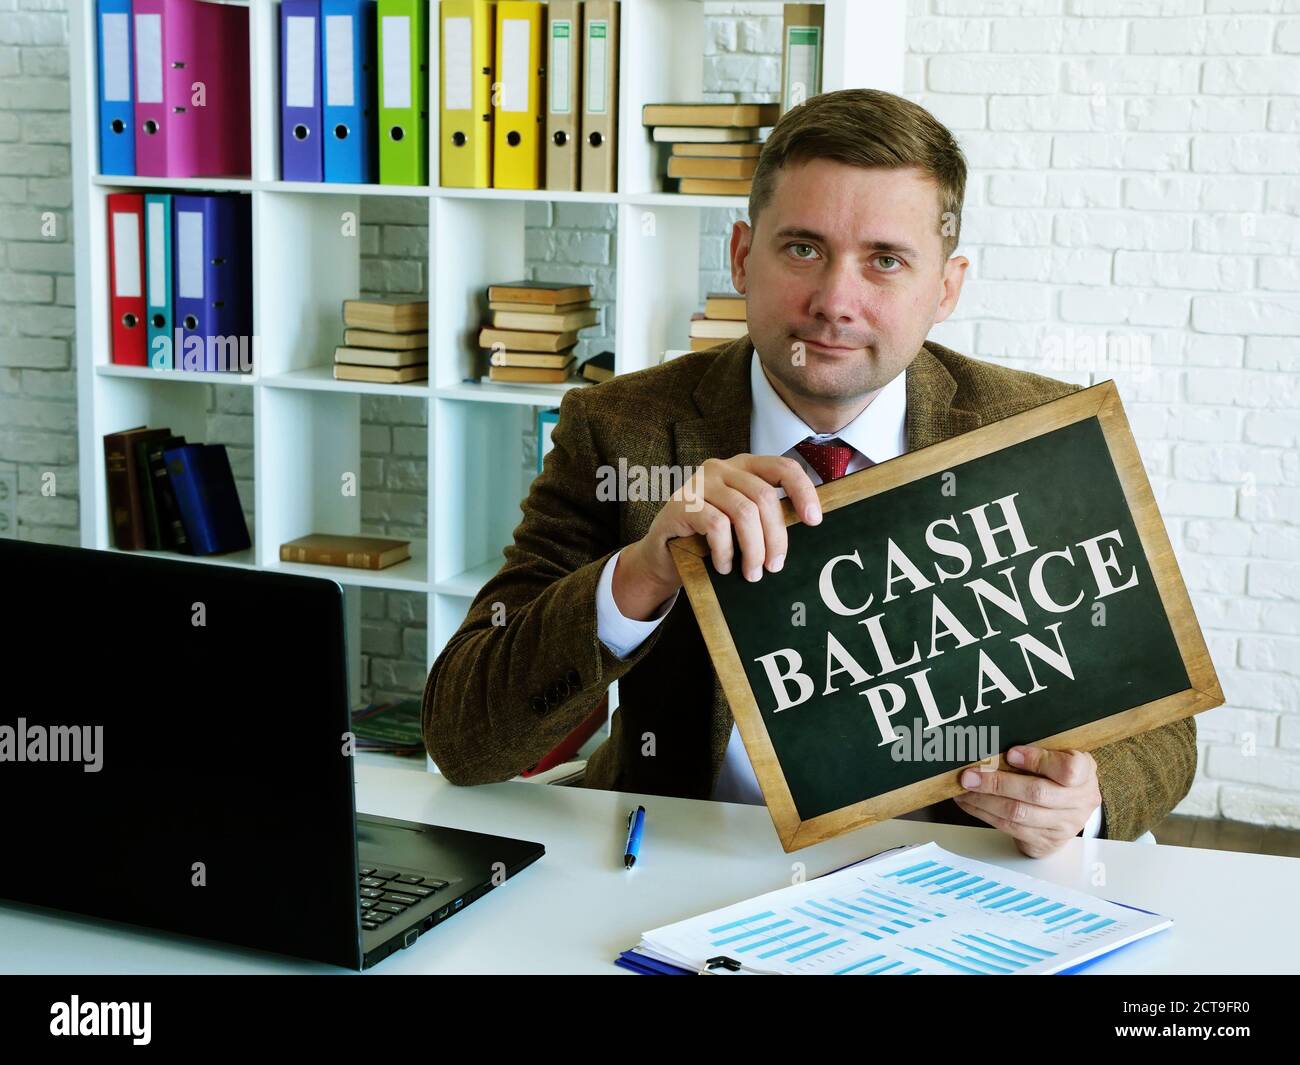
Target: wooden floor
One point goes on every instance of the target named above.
(1217, 834)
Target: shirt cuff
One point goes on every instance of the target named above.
(622, 635)
(1093, 827)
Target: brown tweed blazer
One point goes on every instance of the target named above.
(500, 696)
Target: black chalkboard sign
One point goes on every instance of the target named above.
(1012, 585)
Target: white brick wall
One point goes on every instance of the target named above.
(1135, 174)
(38, 417)
(1134, 188)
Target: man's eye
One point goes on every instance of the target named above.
(808, 246)
(891, 258)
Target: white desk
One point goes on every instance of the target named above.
(576, 908)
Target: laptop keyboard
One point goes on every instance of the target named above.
(385, 893)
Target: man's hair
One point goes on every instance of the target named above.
(867, 128)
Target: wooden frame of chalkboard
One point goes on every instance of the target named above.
(1155, 669)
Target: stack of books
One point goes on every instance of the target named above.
(723, 320)
(715, 147)
(384, 341)
(392, 727)
(165, 494)
(534, 329)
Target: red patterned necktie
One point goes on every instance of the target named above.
(830, 460)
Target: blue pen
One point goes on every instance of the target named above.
(635, 826)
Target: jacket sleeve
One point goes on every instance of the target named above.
(526, 665)
(1144, 777)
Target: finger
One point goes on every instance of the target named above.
(1011, 811)
(991, 819)
(747, 524)
(1040, 847)
(764, 495)
(1032, 842)
(776, 469)
(1025, 787)
(716, 528)
(1070, 768)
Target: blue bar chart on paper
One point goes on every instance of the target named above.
(915, 911)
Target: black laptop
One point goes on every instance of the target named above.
(174, 753)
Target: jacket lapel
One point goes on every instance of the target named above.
(725, 404)
(931, 415)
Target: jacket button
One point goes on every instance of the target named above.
(573, 678)
(538, 704)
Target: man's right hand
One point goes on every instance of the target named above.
(737, 494)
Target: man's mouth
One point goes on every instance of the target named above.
(824, 346)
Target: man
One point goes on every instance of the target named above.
(846, 263)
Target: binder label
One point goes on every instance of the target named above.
(156, 235)
(514, 60)
(148, 59)
(189, 254)
(597, 56)
(457, 84)
(300, 78)
(396, 31)
(126, 253)
(803, 64)
(116, 58)
(339, 90)
(558, 72)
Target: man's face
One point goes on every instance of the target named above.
(844, 276)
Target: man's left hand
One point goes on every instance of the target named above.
(1042, 806)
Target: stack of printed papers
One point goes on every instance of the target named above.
(908, 911)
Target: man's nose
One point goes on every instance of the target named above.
(838, 294)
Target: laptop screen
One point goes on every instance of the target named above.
(172, 748)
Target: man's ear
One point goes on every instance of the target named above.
(954, 272)
(741, 235)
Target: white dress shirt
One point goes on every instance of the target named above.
(877, 434)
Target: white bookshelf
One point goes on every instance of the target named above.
(307, 426)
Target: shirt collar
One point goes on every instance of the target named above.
(879, 431)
